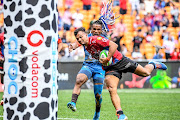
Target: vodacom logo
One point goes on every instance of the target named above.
(35, 44)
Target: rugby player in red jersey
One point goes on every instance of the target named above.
(2, 61)
(120, 64)
(60, 44)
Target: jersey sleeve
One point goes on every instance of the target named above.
(78, 43)
(2, 38)
(102, 41)
(59, 40)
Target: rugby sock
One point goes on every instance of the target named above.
(74, 98)
(152, 63)
(119, 112)
(98, 104)
(97, 92)
(2, 101)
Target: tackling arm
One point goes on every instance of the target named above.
(112, 49)
(73, 46)
(60, 47)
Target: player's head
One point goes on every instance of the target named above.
(81, 35)
(96, 28)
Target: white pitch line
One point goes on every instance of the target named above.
(64, 118)
(141, 91)
(134, 91)
(71, 119)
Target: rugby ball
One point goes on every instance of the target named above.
(104, 54)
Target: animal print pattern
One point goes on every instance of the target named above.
(30, 59)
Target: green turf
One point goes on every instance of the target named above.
(138, 104)
(1, 109)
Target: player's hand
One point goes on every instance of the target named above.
(70, 48)
(1, 59)
(104, 61)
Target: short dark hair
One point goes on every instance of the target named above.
(99, 22)
(79, 29)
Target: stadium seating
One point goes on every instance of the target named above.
(147, 49)
(1, 19)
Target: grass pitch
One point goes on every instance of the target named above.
(137, 104)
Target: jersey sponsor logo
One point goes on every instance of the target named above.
(99, 38)
(93, 41)
(104, 40)
(90, 40)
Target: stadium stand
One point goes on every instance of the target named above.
(143, 21)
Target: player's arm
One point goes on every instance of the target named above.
(60, 45)
(112, 49)
(73, 46)
(1, 58)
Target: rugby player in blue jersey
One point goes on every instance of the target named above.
(91, 68)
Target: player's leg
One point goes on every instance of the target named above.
(83, 75)
(2, 78)
(2, 81)
(2, 101)
(147, 69)
(128, 65)
(81, 78)
(144, 71)
(98, 87)
(112, 83)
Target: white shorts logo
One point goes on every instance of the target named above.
(128, 65)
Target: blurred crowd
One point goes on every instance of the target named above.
(1, 31)
(1, 17)
(144, 29)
